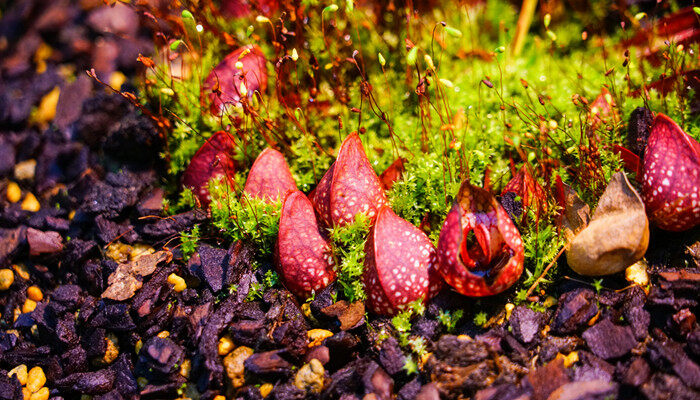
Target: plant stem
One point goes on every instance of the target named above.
(524, 20)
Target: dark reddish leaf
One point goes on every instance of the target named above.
(269, 177)
(212, 161)
(350, 186)
(480, 251)
(304, 258)
(525, 186)
(223, 85)
(400, 264)
(392, 173)
(602, 108)
(244, 8)
(671, 177)
(681, 27)
(638, 130)
(630, 161)
(668, 83)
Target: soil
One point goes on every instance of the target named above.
(96, 178)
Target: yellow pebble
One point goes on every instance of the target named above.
(569, 359)
(21, 271)
(265, 389)
(509, 309)
(35, 379)
(424, 358)
(25, 170)
(7, 278)
(219, 397)
(20, 372)
(225, 345)
(13, 192)
(163, 334)
(35, 294)
(112, 351)
(46, 109)
(28, 306)
(138, 345)
(41, 394)
(30, 203)
(178, 282)
(185, 368)
(317, 336)
(637, 273)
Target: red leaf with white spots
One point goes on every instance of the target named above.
(480, 251)
(671, 177)
(400, 264)
(304, 257)
(525, 186)
(269, 177)
(212, 161)
(350, 186)
(225, 82)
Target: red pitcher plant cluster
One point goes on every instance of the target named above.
(480, 251)
(401, 263)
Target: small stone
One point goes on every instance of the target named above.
(178, 282)
(320, 353)
(310, 377)
(234, 365)
(317, 336)
(35, 379)
(28, 306)
(225, 345)
(25, 170)
(30, 203)
(13, 192)
(41, 394)
(7, 278)
(41, 242)
(35, 293)
(20, 372)
(265, 389)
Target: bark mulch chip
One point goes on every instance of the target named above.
(526, 324)
(575, 309)
(607, 340)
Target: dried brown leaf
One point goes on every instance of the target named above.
(126, 279)
(617, 236)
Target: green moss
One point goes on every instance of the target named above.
(245, 218)
(349, 247)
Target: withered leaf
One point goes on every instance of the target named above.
(617, 236)
(126, 279)
(575, 214)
